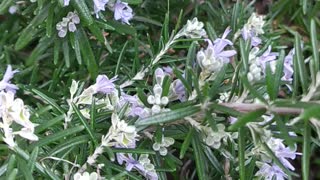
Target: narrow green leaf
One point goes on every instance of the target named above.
(87, 53)
(83, 11)
(33, 159)
(278, 74)
(11, 165)
(121, 28)
(85, 124)
(252, 90)
(104, 25)
(57, 136)
(77, 50)
(24, 169)
(199, 158)
(43, 126)
(44, 171)
(315, 45)
(66, 55)
(48, 100)
(49, 21)
(215, 85)
(312, 112)
(244, 56)
(213, 160)
(120, 57)
(5, 4)
(56, 51)
(134, 151)
(169, 116)
(133, 1)
(306, 152)
(13, 174)
(300, 63)
(241, 152)
(249, 117)
(69, 144)
(186, 143)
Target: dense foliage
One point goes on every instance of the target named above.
(145, 89)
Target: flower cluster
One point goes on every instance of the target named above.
(150, 172)
(257, 65)
(13, 110)
(120, 133)
(122, 11)
(253, 28)
(143, 165)
(157, 100)
(194, 29)
(214, 57)
(162, 146)
(214, 138)
(68, 23)
(267, 168)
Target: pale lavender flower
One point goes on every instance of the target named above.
(282, 152)
(5, 83)
(104, 84)
(159, 74)
(131, 163)
(253, 28)
(269, 172)
(66, 2)
(122, 12)
(168, 70)
(248, 34)
(179, 90)
(222, 42)
(213, 58)
(13, 9)
(136, 108)
(68, 23)
(99, 5)
(287, 67)
(267, 57)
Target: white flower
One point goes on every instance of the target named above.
(86, 176)
(194, 29)
(255, 23)
(120, 133)
(13, 110)
(68, 23)
(162, 146)
(214, 138)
